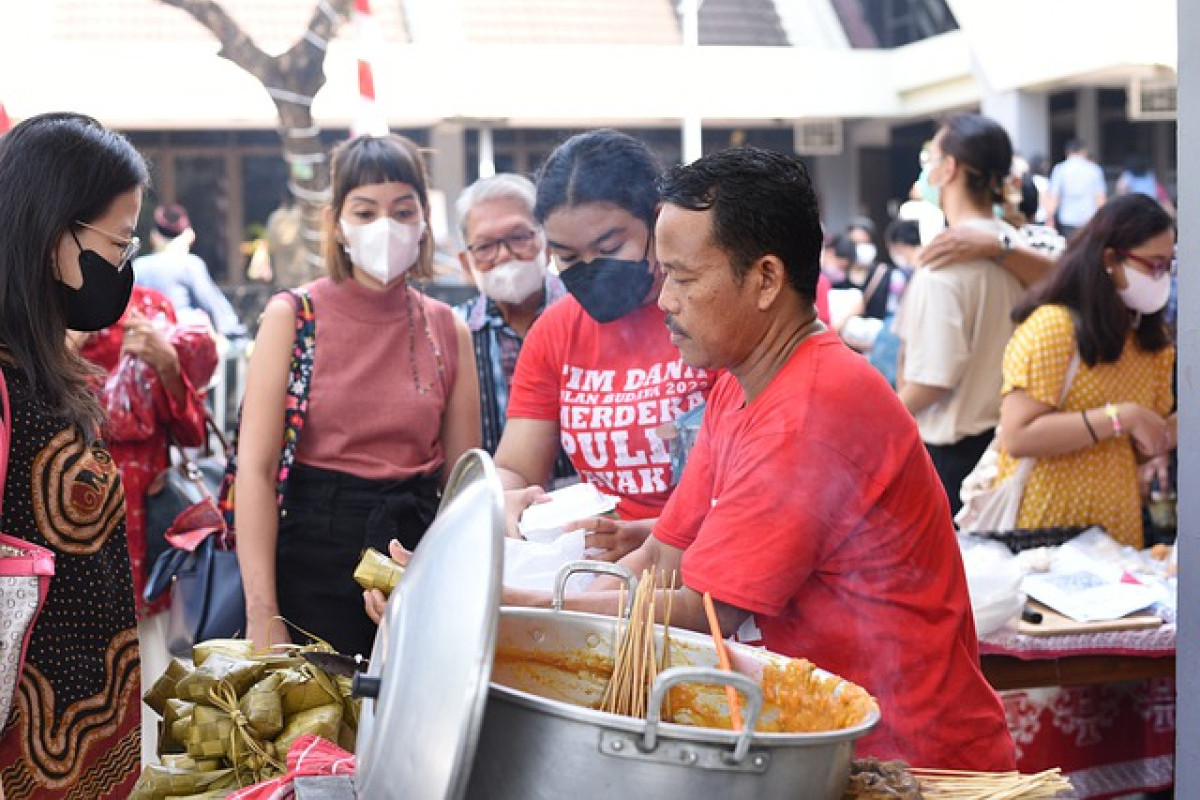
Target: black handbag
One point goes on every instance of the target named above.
(178, 487)
(203, 577)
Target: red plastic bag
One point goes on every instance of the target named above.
(197, 349)
(128, 398)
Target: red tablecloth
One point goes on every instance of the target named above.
(1110, 739)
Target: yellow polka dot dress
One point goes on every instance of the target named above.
(1098, 484)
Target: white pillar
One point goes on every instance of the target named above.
(834, 178)
(447, 168)
(487, 154)
(1026, 117)
(693, 143)
(1087, 119)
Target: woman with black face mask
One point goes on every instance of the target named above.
(70, 192)
(598, 372)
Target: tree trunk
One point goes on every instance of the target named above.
(292, 79)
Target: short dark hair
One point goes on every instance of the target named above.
(903, 231)
(1079, 280)
(56, 170)
(600, 166)
(982, 147)
(365, 160)
(763, 203)
(863, 223)
(1075, 145)
(844, 247)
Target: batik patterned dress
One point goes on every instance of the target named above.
(75, 727)
(141, 459)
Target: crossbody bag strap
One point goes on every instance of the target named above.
(299, 382)
(1072, 371)
(881, 270)
(1026, 465)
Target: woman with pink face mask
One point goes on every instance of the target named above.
(1105, 301)
(392, 402)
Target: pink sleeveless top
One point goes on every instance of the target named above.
(383, 366)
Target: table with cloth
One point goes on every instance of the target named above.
(1099, 705)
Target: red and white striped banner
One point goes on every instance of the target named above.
(369, 119)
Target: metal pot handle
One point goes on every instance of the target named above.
(677, 675)
(603, 567)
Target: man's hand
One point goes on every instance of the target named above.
(953, 245)
(617, 538)
(374, 600)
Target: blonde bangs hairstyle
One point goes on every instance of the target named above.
(366, 160)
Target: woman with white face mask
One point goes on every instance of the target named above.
(1106, 301)
(392, 401)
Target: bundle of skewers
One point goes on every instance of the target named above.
(872, 779)
(948, 784)
(637, 662)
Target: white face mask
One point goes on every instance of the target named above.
(1145, 294)
(864, 254)
(513, 281)
(384, 249)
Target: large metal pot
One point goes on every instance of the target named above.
(435, 726)
(540, 740)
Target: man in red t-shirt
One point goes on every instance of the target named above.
(809, 506)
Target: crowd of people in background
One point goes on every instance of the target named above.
(612, 298)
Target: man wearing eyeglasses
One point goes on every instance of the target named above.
(505, 255)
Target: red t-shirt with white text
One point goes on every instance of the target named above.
(609, 386)
(817, 509)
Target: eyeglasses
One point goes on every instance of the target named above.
(521, 244)
(129, 247)
(1158, 266)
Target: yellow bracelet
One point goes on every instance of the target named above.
(1110, 411)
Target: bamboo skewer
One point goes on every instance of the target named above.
(735, 713)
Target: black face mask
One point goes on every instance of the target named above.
(609, 288)
(102, 298)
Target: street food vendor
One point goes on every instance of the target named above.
(809, 507)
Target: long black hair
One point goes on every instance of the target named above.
(55, 169)
(1080, 281)
(603, 165)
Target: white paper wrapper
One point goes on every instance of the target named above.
(546, 521)
(533, 565)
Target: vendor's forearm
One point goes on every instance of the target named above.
(919, 396)
(685, 605)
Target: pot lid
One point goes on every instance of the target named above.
(433, 652)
